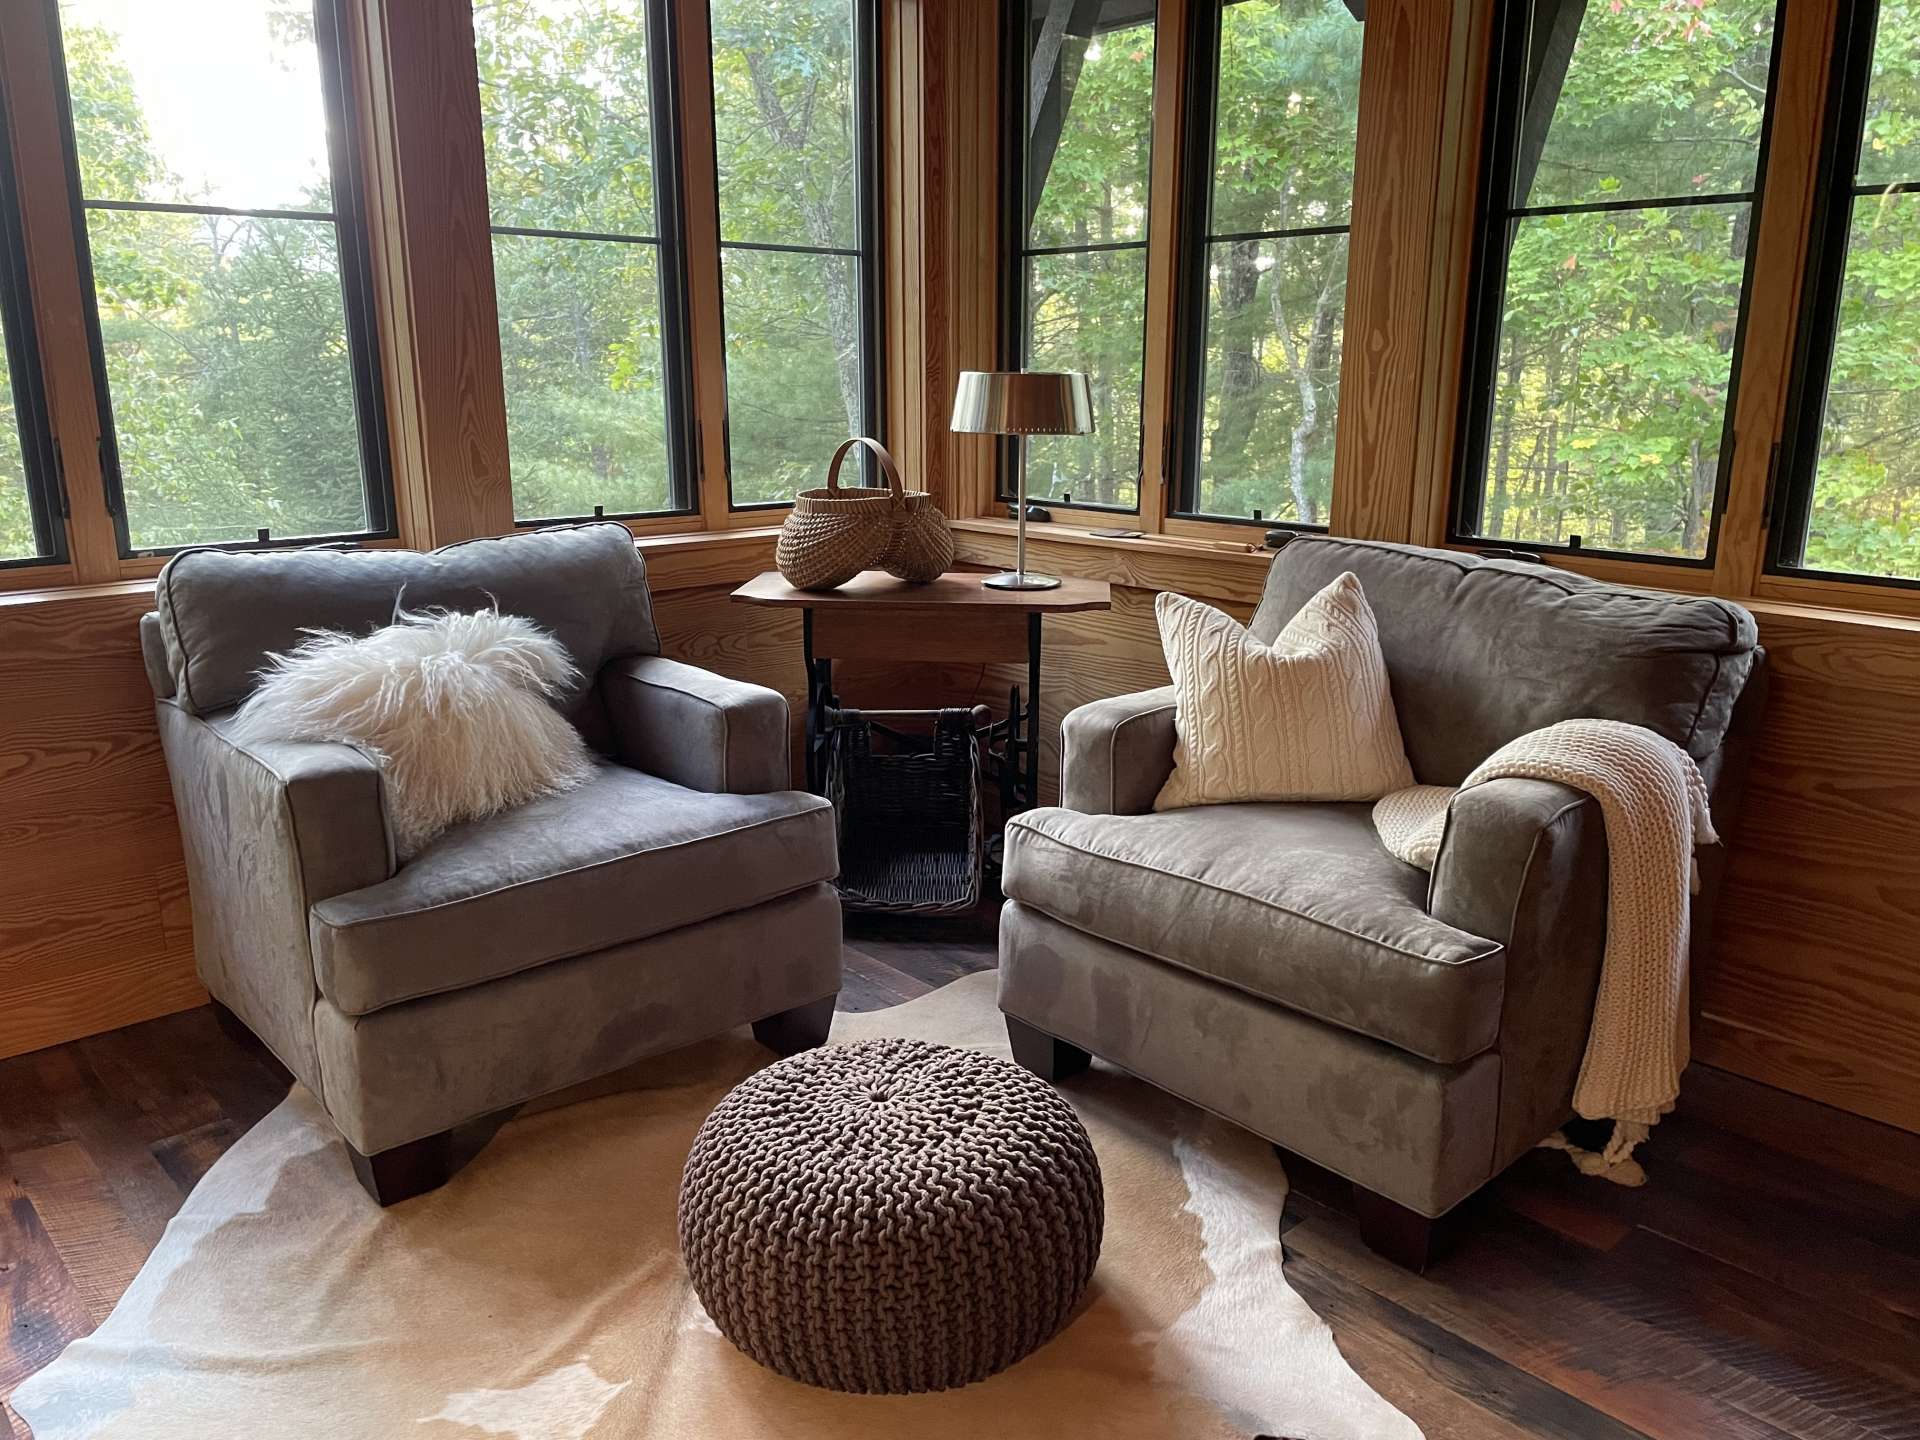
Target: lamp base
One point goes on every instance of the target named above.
(1020, 580)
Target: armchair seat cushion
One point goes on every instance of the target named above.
(624, 856)
(1297, 904)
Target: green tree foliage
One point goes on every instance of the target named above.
(784, 103)
(16, 519)
(1086, 309)
(570, 147)
(568, 123)
(224, 336)
(1616, 347)
(1284, 125)
(228, 363)
(1865, 515)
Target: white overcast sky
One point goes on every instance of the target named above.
(236, 115)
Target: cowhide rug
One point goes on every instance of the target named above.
(540, 1295)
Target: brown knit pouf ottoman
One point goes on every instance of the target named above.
(891, 1216)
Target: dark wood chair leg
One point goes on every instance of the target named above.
(802, 1028)
(406, 1170)
(1045, 1055)
(1406, 1237)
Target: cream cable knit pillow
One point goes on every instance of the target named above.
(1309, 717)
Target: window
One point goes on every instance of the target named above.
(586, 256)
(795, 116)
(1851, 502)
(30, 529)
(1614, 253)
(1079, 165)
(233, 347)
(1275, 92)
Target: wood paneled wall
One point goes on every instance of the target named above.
(94, 928)
(1813, 982)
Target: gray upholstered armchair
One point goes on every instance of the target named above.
(681, 891)
(1274, 964)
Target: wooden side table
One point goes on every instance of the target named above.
(876, 617)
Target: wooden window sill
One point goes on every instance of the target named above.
(707, 557)
(1224, 569)
(674, 562)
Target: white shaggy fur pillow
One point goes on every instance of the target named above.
(453, 706)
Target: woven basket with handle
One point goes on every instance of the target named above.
(834, 533)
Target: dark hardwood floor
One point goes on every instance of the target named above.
(1765, 1283)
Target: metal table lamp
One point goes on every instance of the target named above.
(1022, 402)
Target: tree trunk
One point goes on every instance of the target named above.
(790, 131)
(1239, 372)
(1302, 367)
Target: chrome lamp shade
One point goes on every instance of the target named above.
(1022, 402)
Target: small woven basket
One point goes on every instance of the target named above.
(835, 533)
(831, 535)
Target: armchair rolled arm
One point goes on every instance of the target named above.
(269, 828)
(696, 728)
(1524, 862)
(1116, 753)
(1514, 845)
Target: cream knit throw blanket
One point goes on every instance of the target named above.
(1654, 805)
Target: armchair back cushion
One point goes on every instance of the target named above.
(223, 612)
(1481, 652)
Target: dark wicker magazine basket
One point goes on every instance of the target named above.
(908, 810)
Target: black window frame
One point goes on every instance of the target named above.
(1795, 463)
(676, 335)
(1201, 121)
(356, 286)
(39, 452)
(866, 252)
(1016, 252)
(1495, 217)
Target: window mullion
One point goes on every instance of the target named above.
(1804, 49)
(48, 224)
(1157, 407)
(699, 195)
(413, 80)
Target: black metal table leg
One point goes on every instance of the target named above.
(1033, 710)
(819, 697)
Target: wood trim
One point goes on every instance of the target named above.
(1158, 421)
(904, 223)
(1186, 527)
(965, 279)
(51, 576)
(1835, 594)
(417, 85)
(1405, 268)
(1456, 206)
(967, 636)
(1805, 48)
(700, 195)
(1153, 562)
(60, 302)
(707, 558)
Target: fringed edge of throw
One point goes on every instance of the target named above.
(1614, 1161)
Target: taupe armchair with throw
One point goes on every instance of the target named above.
(681, 891)
(1274, 964)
